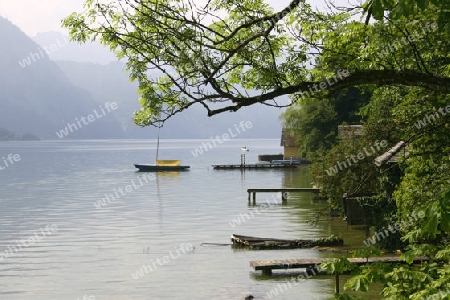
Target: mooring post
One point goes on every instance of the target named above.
(336, 288)
(267, 272)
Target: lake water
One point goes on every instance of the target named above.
(58, 242)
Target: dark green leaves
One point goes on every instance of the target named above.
(445, 211)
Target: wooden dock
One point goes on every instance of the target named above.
(268, 265)
(312, 264)
(254, 166)
(285, 192)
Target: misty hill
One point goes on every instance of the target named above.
(60, 48)
(111, 83)
(86, 68)
(37, 97)
(65, 98)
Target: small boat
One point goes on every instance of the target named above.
(162, 165)
(160, 168)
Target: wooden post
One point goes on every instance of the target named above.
(267, 272)
(336, 288)
(254, 198)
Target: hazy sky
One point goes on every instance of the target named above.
(33, 16)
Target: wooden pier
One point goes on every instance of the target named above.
(311, 264)
(255, 166)
(307, 263)
(284, 192)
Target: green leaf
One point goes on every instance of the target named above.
(377, 9)
(445, 211)
(422, 4)
(431, 225)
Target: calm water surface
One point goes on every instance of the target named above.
(98, 251)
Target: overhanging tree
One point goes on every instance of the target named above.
(230, 54)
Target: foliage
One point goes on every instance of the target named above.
(405, 8)
(422, 190)
(332, 240)
(339, 265)
(313, 125)
(314, 121)
(227, 55)
(360, 176)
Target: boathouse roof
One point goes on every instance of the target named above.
(392, 155)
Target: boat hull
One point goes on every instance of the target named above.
(154, 168)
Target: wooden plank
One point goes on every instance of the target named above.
(336, 282)
(271, 243)
(311, 262)
(285, 264)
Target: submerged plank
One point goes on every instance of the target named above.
(272, 243)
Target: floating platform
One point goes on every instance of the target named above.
(255, 166)
(271, 243)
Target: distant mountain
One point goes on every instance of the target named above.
(85, 66)
(110, 83)
(86, 94)
(36, 95)
(60, 48)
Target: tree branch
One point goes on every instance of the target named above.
(378, 77)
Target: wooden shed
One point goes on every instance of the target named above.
(348, 132)
(288, 142)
